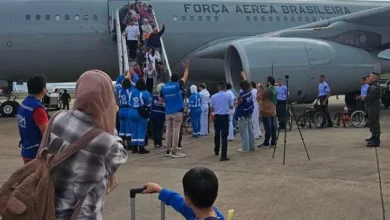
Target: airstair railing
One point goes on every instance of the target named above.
(126, 65)
(112, 23)
(119, 42)
(164, 53)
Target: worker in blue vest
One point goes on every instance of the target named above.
(245, 108)
(194, 109)
(32, 118)
(139, 104)
(124, 110)
(157, 117)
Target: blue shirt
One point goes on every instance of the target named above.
(364, 89)
(245, 109)
(172, 97)
(158, 109)
(30, 134)
(221, 102)
(139, 98)
(195, 102)
(323, 89)
(124, 97)
(177, 202)
(281, 92)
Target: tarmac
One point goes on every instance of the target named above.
(344, 179)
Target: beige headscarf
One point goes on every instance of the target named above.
(95, 96)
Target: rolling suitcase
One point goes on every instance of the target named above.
(133, 193)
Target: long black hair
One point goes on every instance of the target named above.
(126, 84)
(140, 85)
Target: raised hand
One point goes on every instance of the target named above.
(186, 63)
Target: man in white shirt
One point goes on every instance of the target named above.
(256, 112)
(133, 38)
(204, 117)
(232, 111)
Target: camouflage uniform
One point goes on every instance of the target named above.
(373, 103)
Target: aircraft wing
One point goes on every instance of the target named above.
(369, 30)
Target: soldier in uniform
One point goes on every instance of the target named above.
(373, 103)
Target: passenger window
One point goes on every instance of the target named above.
(285, 18)
(47, 17)
(76, 17)
(307, 19)
(277, 18)
(37, 17)
(270, 18)
(255, 18)
(262, 18)
(248, 18)
(183, 18)
(200, 18)
(174, 18)
(86, 17)
(28, 17)
(216, 18)
(57, 17)
(300, 19)
(67, 17)
(95, 17)
(192, 18)
(292, 18)
(208, 18)
(314, 19)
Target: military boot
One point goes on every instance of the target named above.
(375, 142)
(369, 139)
(128, 144)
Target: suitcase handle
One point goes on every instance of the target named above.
(135, 191)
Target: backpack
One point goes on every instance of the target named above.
(28, 194)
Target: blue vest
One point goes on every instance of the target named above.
(124, 96)
(139, 98)
(195, 102)
(158, 110)
(245, 109)
(172, 97)
(30, 134)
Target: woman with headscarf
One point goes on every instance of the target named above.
(150, 77)
(194, 109)
(151, 56)
(157, 117)
(90, 171)
(139, 103)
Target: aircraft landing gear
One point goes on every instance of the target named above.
(9, 108)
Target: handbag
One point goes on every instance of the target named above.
(143, 110)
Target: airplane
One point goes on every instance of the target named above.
(302, 39)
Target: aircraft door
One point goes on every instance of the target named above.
(319, 60)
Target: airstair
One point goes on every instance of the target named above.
(123, 58)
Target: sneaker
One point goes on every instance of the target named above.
(168, 154)
(257, 138)
(263, 146)
(157, 146)
(178, 155)
(242, 150)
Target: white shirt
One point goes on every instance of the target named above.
(151, 59)
(146, 28)
(205, 96)
(132, 32)
(254, 95)
(230, 92)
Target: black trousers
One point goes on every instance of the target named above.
(132, 44)
(149, 85)
(281, 113)
(117, 125)
(181, 134)
(324, 109)
(208, 124)
(157, 129)
(65, 105)
(221, 127)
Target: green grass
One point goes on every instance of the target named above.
(385, 76)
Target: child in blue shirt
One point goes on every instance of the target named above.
(200, 192)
